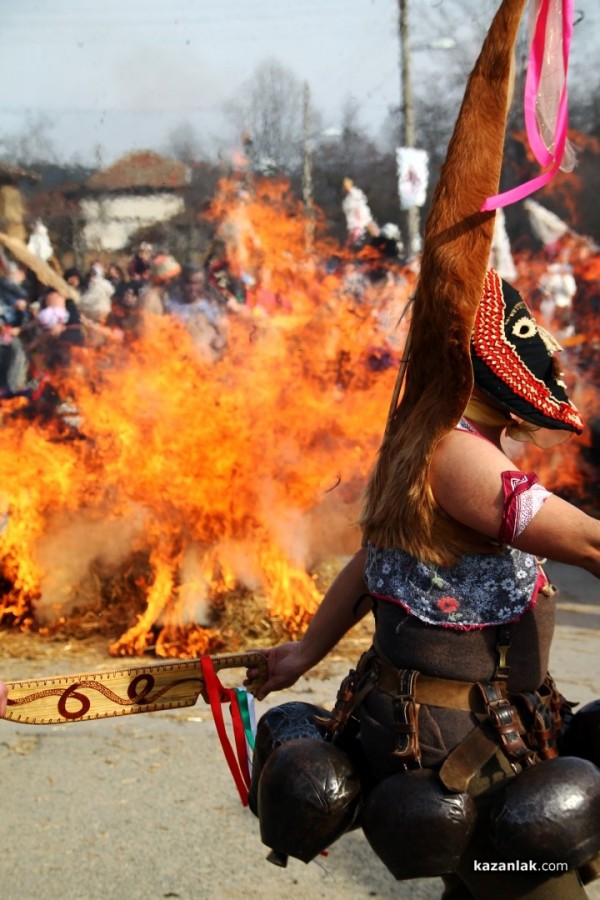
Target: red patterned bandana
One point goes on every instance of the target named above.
(513, 360)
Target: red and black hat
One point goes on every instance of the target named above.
(513, 360)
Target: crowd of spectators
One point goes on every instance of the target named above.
(40, 325)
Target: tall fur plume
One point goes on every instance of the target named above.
(399, 508)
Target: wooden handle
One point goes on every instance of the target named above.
(251, 659)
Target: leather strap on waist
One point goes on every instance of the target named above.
(447, 693)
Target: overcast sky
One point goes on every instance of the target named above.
(122, 74)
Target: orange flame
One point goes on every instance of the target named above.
(218, 476)
(192, 483)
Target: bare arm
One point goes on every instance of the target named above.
(344, 604)
(466, 480)
(565, 534)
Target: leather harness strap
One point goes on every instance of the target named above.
(503, 641)
(500, 731)
(467, 759)
(444, 692)
(507, 724)
(500, 727)
(406, 719)
(486, 700)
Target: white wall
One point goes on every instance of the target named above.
(110, 221)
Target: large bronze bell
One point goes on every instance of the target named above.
(308, 796)
(282, 723)
(415, 826)
(549, 813)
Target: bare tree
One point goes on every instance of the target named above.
(32, 144)
(268, 110)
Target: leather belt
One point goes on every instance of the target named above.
(446, 693)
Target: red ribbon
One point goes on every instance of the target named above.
(237, 759)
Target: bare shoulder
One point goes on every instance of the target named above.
(466, 479)
(461, 451)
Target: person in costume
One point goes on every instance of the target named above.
(449, 743)
(457, 623)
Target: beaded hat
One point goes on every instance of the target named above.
(513, 359)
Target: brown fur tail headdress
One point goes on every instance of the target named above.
(399, 508)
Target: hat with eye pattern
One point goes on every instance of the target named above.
(514, 362)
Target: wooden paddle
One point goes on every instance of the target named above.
(119, 692)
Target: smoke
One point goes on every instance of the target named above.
(332, 526)
(73, 546)
(309, 537)
(194, 589)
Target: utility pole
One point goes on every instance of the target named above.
(407, 132)
(307, 175)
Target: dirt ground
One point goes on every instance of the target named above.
(144, 807)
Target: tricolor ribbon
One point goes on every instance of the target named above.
(243, 723)
(551, 159)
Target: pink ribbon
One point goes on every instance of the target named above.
(534, 71)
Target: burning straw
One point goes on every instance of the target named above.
(201, 490)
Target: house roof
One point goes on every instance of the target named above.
(141, 170)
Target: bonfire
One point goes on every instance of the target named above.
(202, 507)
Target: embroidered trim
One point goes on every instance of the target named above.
(524, 496)
(502, 359)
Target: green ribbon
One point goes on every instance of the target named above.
(242, 699)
